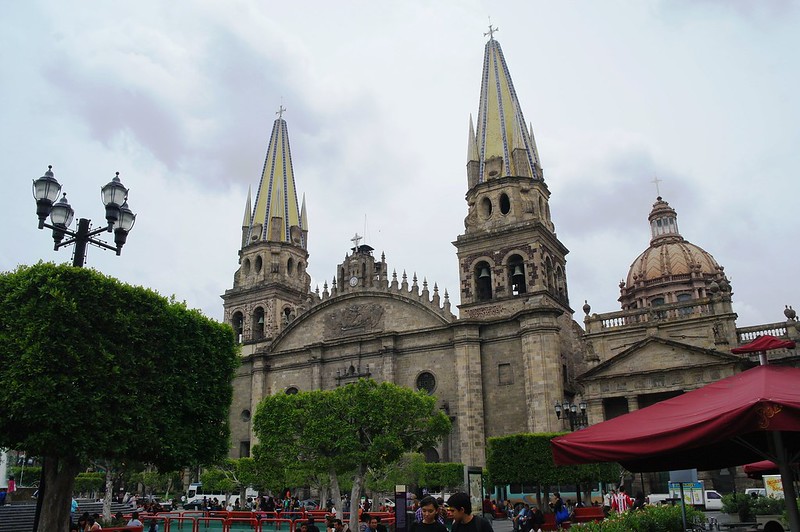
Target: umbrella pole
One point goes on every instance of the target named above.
(789, 493)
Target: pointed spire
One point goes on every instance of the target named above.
(248, 213)
(535, 149)
(501, 124)
(303, 217)
(276, 199)
(472, 143)
(248, 208)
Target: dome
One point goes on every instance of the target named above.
(671, 269)
(668, 260)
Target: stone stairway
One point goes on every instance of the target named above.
(18, 517)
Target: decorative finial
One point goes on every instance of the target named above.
(280, 111)
(356, 239)
(491, 31)
(656, 180)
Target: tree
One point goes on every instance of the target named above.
(442, 476)
(91, 368)
(526, 458)
(349, 429)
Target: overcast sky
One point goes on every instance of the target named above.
(180, 96)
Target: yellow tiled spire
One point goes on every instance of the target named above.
(503, 140)
(276, 208)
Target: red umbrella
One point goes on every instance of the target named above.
(764, 467)
(761, 345)
(744, 418)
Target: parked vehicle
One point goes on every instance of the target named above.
(713, 500)
(756, 492)
(657, 498)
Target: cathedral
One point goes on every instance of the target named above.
(511, 358)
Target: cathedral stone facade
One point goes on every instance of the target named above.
(514, 350)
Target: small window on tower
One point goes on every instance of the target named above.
(485, 208)
(505, 204)
(483, 281)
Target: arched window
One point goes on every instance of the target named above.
(548, 273)
(561, 282)
(258, 323)
(431, 455)
(290, 266)
(516, 275)
(237, 322)
(483, 281)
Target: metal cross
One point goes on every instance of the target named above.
(356, 239)
(491, 31)
(280, 111)
(656, 180)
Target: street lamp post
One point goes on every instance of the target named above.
(574, 414)
(119, 217)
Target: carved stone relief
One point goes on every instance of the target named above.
(354, 319)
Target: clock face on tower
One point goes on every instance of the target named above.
(353, 281)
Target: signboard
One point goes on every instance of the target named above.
(692, 492)
(400, 508)
(473, 479)
(774, 486)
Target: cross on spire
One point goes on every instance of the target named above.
(280, 111)
(491, 31)
(356, 239)
(656, 180)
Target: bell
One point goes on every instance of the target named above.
(484, 273)
(518, 271)
(261, 320)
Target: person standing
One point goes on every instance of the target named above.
(430, 521)
(560, 509)
(460, 507)
(622, 501)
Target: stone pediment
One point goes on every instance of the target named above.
(357, 314)
(657, 355)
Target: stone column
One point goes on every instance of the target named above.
(541, 361)
(388, 360)
(594, 411)
(633, 403)
(469, 416)
(316, 368)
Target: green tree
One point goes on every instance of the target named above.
(443, 476)
(91, 368)
(349, 429)
(527, 458)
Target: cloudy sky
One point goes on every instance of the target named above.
(180, 96)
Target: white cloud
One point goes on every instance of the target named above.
(179, 97)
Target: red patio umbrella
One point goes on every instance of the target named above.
(744, 418)
(761, 345)
(758, 469)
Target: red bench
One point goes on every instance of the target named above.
(587, 514)
(550, 523)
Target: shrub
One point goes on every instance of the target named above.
(747, 506)
(649, 519)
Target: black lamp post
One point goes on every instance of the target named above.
(575, 414)
(119, 217)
